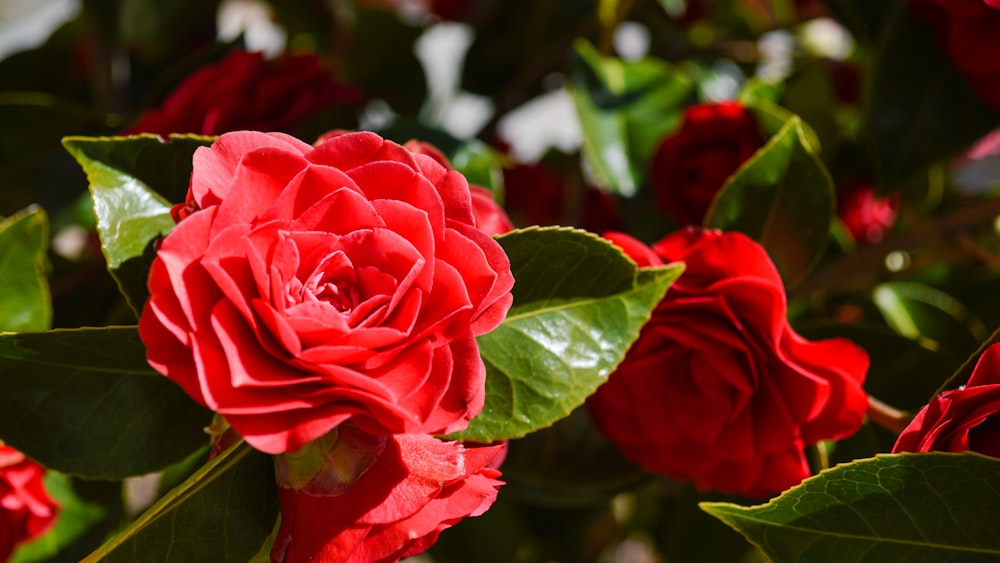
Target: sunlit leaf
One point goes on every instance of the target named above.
(625, 109)
(902, 507)
(578, 305)
(930, 316)
(224, 512)
(85, 402)
(25, 303)
(783, 198)
(133, 182)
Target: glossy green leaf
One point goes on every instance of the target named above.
(783, 198)
(933, 318)
(133, 182)
(921, 109)
(25, 303)
(85, 402)
(75, 517)
(224, 512)
(578, 305)
(929, 507)
(625, 109)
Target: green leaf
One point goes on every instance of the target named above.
(133, 182)
(578, 305)
(783, 198)
(25, 303)
(75, 517)
(224, 512)
(905, 507)
(921, 109)
(85, 402)
(625, 109)
(933, 318)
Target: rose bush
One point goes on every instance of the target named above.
(416, 487)
(306, 286)
(245, 91)
(693, 163)
(966, 30)
(26, 510)
(963, 419)
(719, 389)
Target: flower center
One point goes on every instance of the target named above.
(341, 294)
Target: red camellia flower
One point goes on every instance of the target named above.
(963, 419)
(866, 217)
(311, 285)
(693, 163)
(967, 31)
(417, 487)
(244, 91)
(25, 508)
(718, 389)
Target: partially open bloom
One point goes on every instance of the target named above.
(416, 487)
(963, 419)
(693, 163)
(867, 217)
(718, 389)
(311, 285)
(26, 510)
(245, 91)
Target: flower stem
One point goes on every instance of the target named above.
(886, 416)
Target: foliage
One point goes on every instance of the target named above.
(82, 210)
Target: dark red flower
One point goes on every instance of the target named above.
(963, 419)
(866, 217)
(535, 194)
(26, 510)
(718, 389)
(694, 162)
(245, 91)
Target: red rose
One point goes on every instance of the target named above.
(866, 217)
(244, 91)
(694, 162)
(967, 31)
(963, 419)
(26, 510)
(417, 487)
(316, 285)
(718, 389)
